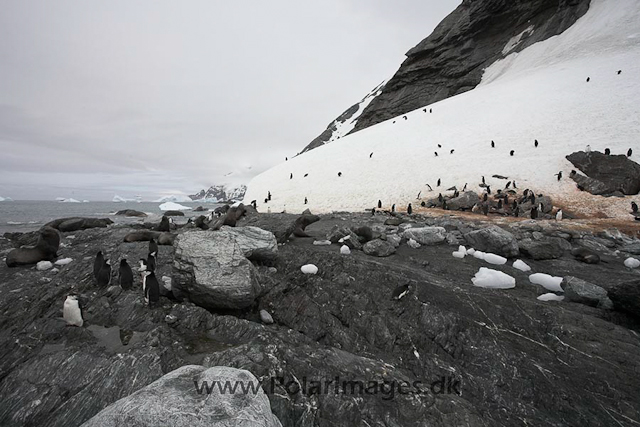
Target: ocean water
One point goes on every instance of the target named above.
(30, 215)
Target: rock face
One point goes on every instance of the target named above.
(379, 248)
(426, 235)
(607, 174)
(583, 292)
(181, 399)
(626, 297)
(495, 240)
(544, 247)
(451, 60)
(251, 239)
(211, 270)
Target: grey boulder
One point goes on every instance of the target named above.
(577, 290)
(544, 247)
(190, 397)
(426, 235)
(380, 248)
(495, 240)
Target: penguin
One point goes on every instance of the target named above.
(371, 155)
(339, 174)
(532, 197)
(104, 276)
(393, 207)
(305, 175)
(71, 312)
(379, 204)
(418, 198)
(559, 215)
(400, 292)
(409, 209)
(269, 196)
(500, 204)
(126, 275)
(404, 117)
(488, 189)
(424, 110)
(485, 209)
(588, 79)
(423, 204)
(629, 152)
(619, 72)
(436, 153)
(438, 184)
(394, 121)
(456, 194)
(607, 151)
(634, 207)
(559, 175)
(373, 211)
(97, 264)
(253, 203)
(511, 153)
(534, 212)
(535, 143)
(151, 261)
(483, 180)
(508, 184)
(266, 201)
(493, 144)
(485, 196)
(465, 187)
(439, 146)
(153, 246)
(514, 184)
(540, 207)
(430, 110)
(151, 289)
(588, 148)
(451, 152)
(430, 189)
(291, 176)
(286, 159)
(506, 200)
(305, 200)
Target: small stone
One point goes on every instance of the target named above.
(266, 317)
(44, 265)
(309, 269)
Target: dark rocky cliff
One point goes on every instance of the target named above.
(452, 59)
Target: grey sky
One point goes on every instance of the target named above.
(159, 97)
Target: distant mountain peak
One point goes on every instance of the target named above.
(220, 193)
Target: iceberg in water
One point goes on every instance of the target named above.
(171, 206)
(173, 198)
(70, 200)
(6, 199)
(119, 199)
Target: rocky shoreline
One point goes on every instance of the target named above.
(506, 357)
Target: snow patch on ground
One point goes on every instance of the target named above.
(538, 93)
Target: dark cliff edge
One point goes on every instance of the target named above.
(452, 59)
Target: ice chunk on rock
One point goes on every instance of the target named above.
(521, 265)
(550, 297)
(44, 265)
(309, 269)
(63, 261)
(631, 263)
(495, 259)
(344, 250)
(478, 254)
(458, 254)
(413, 244)
(548, 282)
(322, 242)
(487, 278)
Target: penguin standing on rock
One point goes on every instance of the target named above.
(104, 276)
(534, 212)
(151, 288)
(488, 189)
(629, 152)
(465, 187)
(559, 215)
(126, 275)
(71, 312)
(379, 204)
(409, 209)
(607, 151)
(373, 211)
(97, 264)
(393, 207)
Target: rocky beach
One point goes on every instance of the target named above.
(336, 347)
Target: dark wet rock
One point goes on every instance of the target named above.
(364, 233)
(631, 248)
(464, 202)
(495, 240)
(174, 399)
(131, 212)
(426, 235)
(200, 209)
(379, 248)
(580, 291)
(543, 247)
(211, 270)
(74, 224)
(394, 221)
(263, 257)
(610, 173)
(173, 213)
(626, 297)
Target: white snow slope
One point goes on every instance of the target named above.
(540, 93)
